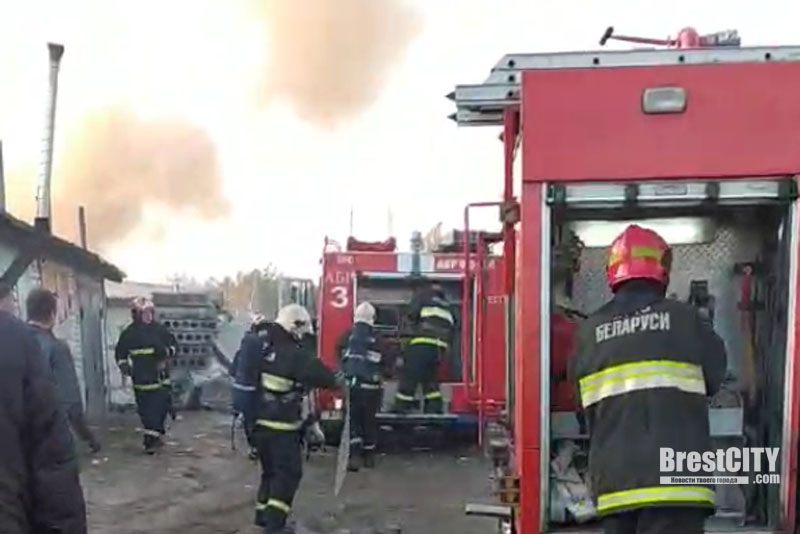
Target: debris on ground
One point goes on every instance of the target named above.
(198, 484)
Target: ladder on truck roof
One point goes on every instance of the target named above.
(483, 104)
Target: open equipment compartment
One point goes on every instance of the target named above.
(720, 249)
(694, 128)
(391, 295)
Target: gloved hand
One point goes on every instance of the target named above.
(94, 445)
(125, 368)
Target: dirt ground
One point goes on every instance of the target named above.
(198, 485)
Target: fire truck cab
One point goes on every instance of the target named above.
(700, 143)
(378, 273)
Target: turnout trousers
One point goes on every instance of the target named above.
(152, 404)
(364, 405)
(663, 520)
(281, 460)
(420, 367)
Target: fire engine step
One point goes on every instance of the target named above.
(415, 418)
(498, 511)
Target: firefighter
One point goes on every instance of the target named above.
(362, 365)
(141, 353)
(282, 377)
(645, 366)
(256, 341)
(434, 327)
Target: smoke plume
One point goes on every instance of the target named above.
(115, 164)
(331, 59)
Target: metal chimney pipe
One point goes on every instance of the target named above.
(43, 208)
(2, 182)
(416, 249)
(82, 226)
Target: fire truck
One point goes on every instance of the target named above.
(698, 141)
(469, 273)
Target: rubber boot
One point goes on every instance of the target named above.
(354, 462)
(434, 406)
(260, 520)
(273, 524)
(150, 444)
(369, 459)
(404, 406)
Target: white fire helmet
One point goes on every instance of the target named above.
(295, 319)
(365, 313)
(258, 324)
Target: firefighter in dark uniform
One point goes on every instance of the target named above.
(434, 326)
(141, 353)
(362, 365)
(645, 367)
(284, 373)
(245, 375)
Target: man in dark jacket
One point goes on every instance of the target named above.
(284, 373)
(42, 306)
(362, 363)
(244, 369)
(645, 367)
(434, 328)
(40, 490)
(142, 353)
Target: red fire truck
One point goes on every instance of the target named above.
(700, 142)
(471, 276)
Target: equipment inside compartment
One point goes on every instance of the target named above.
(392, 297)
(732, 263)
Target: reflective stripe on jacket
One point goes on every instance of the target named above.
(639, 376)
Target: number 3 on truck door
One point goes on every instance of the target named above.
(340, 299)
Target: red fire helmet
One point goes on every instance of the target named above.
(638, 253)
